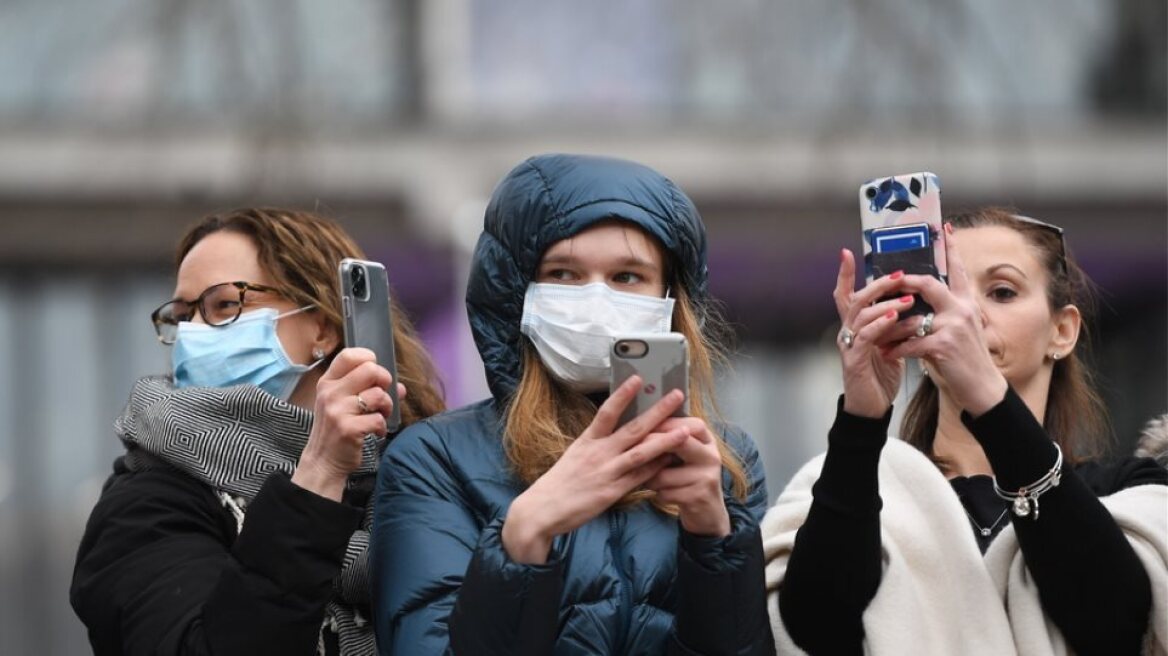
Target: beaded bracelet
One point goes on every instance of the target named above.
(1026, 498)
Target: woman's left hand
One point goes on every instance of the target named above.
(694, 484)
(955, 349)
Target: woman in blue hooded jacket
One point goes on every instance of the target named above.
(530, 522)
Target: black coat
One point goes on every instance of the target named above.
(161, 569)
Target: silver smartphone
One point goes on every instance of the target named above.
(365, 307)
(662, 362)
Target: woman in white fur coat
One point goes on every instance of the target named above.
(990, 527)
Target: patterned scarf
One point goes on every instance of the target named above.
(232, 439)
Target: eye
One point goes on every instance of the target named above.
(1003, 294)
(562, 275)
(628, 278)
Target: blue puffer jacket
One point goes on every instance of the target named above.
(627, 582)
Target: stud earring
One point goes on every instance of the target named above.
(1056, 355)
(318, 353)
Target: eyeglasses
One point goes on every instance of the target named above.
(218, 305)
(1053, 228)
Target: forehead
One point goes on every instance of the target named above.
(610, 239)
(985, 247)
(219, 257)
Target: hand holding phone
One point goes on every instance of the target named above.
(367, 322)
(901, 220)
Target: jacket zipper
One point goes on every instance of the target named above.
(624, 612)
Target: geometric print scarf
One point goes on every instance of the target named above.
(233, 439)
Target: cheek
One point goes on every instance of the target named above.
(295, 336)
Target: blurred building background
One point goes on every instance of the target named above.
(121, 121)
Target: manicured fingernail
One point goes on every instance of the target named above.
(891, 314)
(897, 275)
(842, 251)
(906, 299)
(948, 228)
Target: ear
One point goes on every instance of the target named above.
(1065, 331)
(326, 336)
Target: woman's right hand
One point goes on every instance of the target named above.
(871, 380)
(600, 466)
(340, 422)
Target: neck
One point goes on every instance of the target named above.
(955, 447)
(304, 395)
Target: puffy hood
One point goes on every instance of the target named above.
(552, 197)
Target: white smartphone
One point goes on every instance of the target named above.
(366, 310)
(662, 362)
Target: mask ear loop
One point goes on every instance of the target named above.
(317, 353)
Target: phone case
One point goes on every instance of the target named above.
(367, 319)
(663, 367)
(903, 200)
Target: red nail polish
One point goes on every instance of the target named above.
(906, 298)
(897, 275)
(891, 314)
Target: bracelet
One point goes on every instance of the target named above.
(1026, 498)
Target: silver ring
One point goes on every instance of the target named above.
(926, 326)
(362, 406)
(847, 337)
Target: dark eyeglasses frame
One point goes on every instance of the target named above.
(243, 287)
(1053, 228)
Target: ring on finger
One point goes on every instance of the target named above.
(362, 407)
(846, 337)
(926, 326)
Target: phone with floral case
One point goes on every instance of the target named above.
(901, 220)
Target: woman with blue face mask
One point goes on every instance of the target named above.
(237, 521)
(531, 523)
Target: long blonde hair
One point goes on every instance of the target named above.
(301, 251)
(544, 416)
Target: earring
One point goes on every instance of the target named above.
(318, 353)
(1056, 355)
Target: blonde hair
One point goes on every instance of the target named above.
(544, 416)
(301, 251)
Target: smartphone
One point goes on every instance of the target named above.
(366, 312)
(901, 221)
(662, 362)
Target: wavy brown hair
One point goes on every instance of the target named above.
(1075, 417)
(544, 416)
(301, 252)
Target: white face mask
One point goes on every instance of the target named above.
(573, 327)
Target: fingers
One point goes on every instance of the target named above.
(874, 312)
(650, 448)
(873, 291)
(695, 426)
(845, 283)
(347, 360)
(648, 420)
(609, 413)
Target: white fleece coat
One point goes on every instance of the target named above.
(937, 594)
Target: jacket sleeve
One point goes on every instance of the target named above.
(442, 581)
(720, 581)
(161, 571)
(1073, 528)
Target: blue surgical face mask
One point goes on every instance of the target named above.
(247, 351)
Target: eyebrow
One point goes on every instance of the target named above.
(628, 260)
(992, 270)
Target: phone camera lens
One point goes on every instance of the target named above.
(870, 192)
(357, 278)
(622, 348)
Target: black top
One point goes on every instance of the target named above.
(161, 570)
(834, 568)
